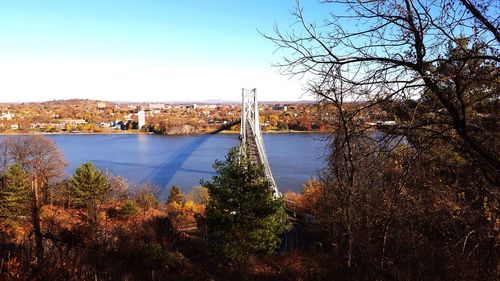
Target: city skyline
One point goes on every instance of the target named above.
(142, 51)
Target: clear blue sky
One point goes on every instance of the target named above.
(142, 50)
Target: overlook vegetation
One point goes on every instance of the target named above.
(93, 225)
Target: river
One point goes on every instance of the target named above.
(186, 159)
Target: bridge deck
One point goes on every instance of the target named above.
(256, 151)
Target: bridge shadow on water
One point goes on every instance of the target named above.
(166, 171)
(163, 174)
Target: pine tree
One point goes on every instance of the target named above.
(175, 195)
(14, 192)
(89, 187)
(242, 216)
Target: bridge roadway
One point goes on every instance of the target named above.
(252, 147)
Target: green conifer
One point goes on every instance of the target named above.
(14, 192)
(175, 195)
(89, 187)
(242, 216)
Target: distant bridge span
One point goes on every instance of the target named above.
(251, 135)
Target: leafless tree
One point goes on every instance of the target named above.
(43, 161)
(375, 51)
(434, 65)
(118, 187)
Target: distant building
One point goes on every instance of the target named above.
(101, 105)
(7, 116)
(193, 106)
(279, 107)
(46, 126)
(14, 127)
(129, 117)
(141, 116)
(118, 125)
(209, 106)
(156, 106)
(104, 125)
(73, 121)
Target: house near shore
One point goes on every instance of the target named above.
(73, 122)
(280, 108)
(6, 116)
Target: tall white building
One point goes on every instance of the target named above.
(141, 116)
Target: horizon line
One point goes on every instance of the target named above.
(166, 101)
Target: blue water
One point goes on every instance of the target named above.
(184, 160)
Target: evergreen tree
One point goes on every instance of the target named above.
(242, 216)
(175, 195)
(14, 192)
(89, 187)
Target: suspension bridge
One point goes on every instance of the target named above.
(251, 135)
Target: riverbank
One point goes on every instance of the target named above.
(12, 133)
(138, 132)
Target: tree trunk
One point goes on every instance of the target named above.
(35, 218)
(349, 233)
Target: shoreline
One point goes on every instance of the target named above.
(148, 133)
